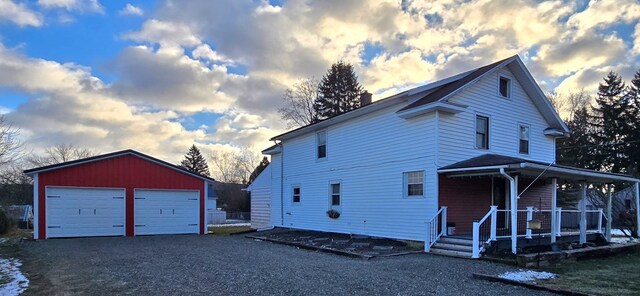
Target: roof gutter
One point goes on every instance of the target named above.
(495, 167)
(601, 175)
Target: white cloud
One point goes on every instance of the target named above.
(19, 14)
(4, 110)
(165, 33)
(130, 9)
(73, 5)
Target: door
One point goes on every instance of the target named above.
(78, 212)
(500, 196)
(166, 212)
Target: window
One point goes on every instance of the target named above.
(505, 87)
(524, 139)
(321, 138)
(482, 132)
(414, 184)
(296, 194)
(335, 194)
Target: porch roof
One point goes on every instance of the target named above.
(491, 164)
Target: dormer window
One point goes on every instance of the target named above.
(505, 87)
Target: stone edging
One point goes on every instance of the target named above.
(308, 247)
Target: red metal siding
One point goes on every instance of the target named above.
(127, 172)
(470, 198)
(465, 199)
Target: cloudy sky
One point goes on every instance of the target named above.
(157, 76)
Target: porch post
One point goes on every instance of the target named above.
(609, 207)
(444, 222)
(583, 213)
(529, 218)
(637, 188)
(494, 222)
(554, 204)
(559, 219)
(514, 215)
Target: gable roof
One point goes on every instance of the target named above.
(437, 93)
(112, 155)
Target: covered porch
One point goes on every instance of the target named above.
(494, 197)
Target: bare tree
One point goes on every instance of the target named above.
(60, 153)
(234, 166)
(9, 144)
(298, 100)
(568, 104)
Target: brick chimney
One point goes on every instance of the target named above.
(365, 98)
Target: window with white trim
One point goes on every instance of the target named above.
(505, 87)
(296, 194)
(482, 132)
(321, 140)
(414, 184)
(523, 136)
(335, 190)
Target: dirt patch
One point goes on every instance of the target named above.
(364, 246)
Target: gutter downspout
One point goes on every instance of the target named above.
(281, 184)
(514, 210)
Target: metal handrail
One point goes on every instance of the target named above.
(432, 226)
(478, 245)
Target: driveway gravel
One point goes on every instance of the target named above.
(235, 265)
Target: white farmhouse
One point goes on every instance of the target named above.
(476, 150)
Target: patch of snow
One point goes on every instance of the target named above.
(623, 240)
(3, 240)
(616, 231)
(230, 225)
(14, 281)
(527, 275)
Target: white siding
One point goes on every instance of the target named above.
(276, 205)
(368, 155)
(457, 132)
(261, 200)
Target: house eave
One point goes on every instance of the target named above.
(437, 106)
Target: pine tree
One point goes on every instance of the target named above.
(609, 129)
(256, 172)
(577, 149)
(195, 162)
(632, 122)
(339, 91)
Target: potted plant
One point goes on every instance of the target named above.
(333, 214)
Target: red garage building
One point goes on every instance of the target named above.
(117, 194)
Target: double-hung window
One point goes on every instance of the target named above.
(505, 87)
(321, 141)
(414, 184)
(335, 190)
(523, 135)
(482, 132)
(296, 194)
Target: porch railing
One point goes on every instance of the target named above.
(484, 231)
(436, 227)
(568, 222)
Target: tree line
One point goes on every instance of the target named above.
(605, 129)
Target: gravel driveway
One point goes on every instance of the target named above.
(237, 265)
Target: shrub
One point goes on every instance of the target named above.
(6, 223)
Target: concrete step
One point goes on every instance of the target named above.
(452, 247)
(451, 253)
(455, 241)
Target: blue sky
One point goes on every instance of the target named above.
(160, 75)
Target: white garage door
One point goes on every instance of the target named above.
(76, 212)
(166, 212)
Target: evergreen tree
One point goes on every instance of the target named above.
(632, 122)
(577, 149)
(195, 162)
(256, 172)
(609, 128)
(339, 91)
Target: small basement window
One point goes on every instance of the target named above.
(296, 194)
(524, 139)
(505, 87)
(321, 139)
(414, 184)
(482, 132)
(335, 194)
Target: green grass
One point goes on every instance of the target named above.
(617, 275)
(227, 230)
